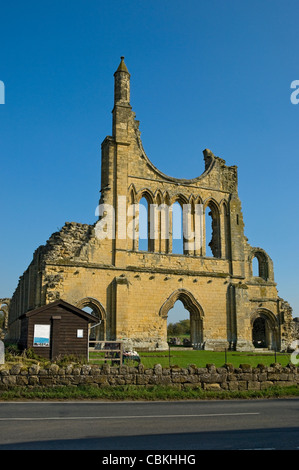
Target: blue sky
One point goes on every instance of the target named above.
(213, 74)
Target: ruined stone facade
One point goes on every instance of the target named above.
(101, 266)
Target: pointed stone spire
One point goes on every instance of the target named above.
(122, 111)
(122, 85)
(122, 66)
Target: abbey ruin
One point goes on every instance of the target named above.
(131, 288)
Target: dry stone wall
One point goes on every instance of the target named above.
(210, 377)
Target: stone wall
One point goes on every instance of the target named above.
(210, 377)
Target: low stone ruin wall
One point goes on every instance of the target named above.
(207, 378)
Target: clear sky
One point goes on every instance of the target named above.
(204, 74)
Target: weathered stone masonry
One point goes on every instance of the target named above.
(210, 377)
(131, 290)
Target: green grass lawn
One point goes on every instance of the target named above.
(180, 357)
(185, 357)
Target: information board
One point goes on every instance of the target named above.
(41, 335)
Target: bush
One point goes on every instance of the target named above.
(12, 348)
(30, 354)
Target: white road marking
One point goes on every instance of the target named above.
(210, 415)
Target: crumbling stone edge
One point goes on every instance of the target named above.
(210, 377)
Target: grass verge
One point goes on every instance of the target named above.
(130, 392)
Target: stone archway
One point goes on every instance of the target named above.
(264, 329)
(196, 314)
(98, 333)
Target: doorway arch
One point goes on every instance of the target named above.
(178, 325)
(264, 329)
(94, 307)
(196, 314)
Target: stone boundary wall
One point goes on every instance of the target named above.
(210, 377)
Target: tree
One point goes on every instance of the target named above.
(180, 328)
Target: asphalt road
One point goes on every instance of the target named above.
(201, 425)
